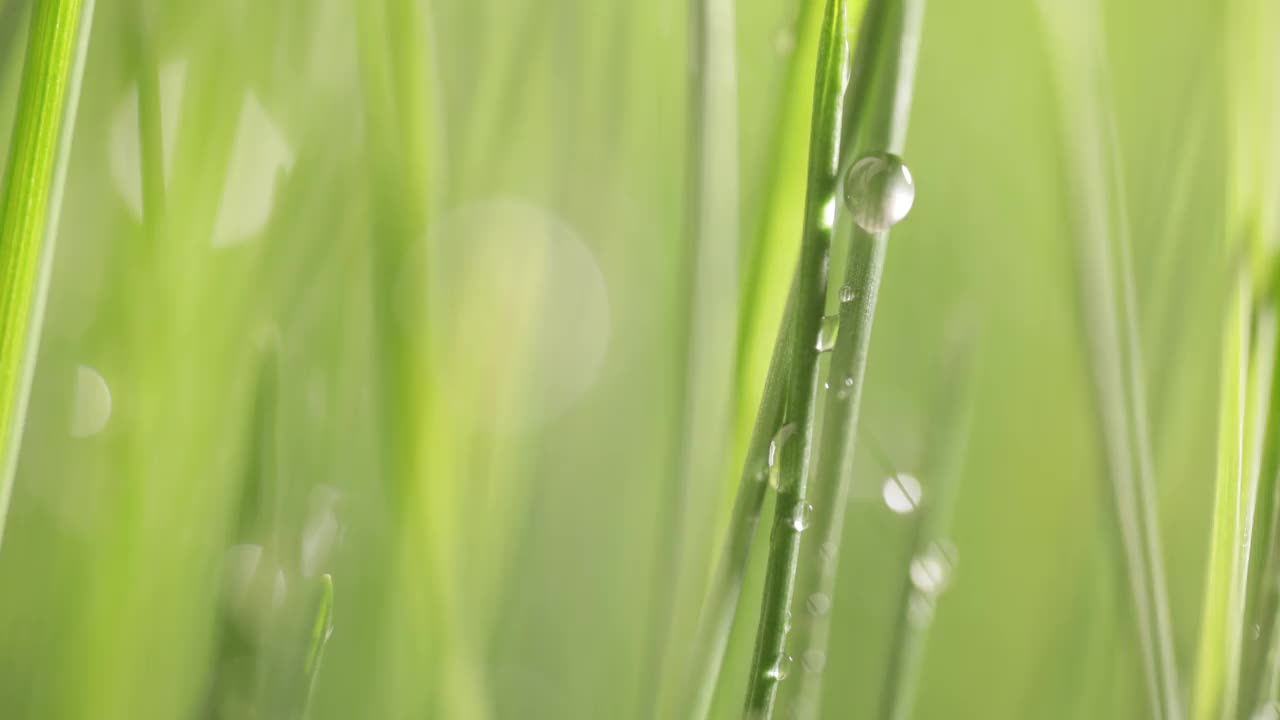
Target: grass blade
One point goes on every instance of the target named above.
(1107, 298)
(943, 466)
(769, 660)
(38, 155)
(709, 286)
(876, 109)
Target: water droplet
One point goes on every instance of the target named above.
(848, 382)
(901, 493)
(847, 294)
(827, 333)
(803, 515)
(829, 214)
(813, 660)
(786, 622)
(931, 570)
(780, 668)
(819, 604)
(829, 550)
(91, 408)
(920, 608)
(775, 453)
(879, 191)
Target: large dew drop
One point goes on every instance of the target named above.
(91, 408)
(878, 191)
(901, 493)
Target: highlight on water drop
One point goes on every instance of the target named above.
(781, 668)
(827, 333)
(878, 191)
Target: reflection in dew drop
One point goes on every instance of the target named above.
(91, 407)
(259, 154)
(920, 608)
(901, 493)
(819, 604)
(803, 514)
(124, 153)
(847, 294)
(813, 660)
(827, 332)
(829, 213)
(878, 191)
(780, 669)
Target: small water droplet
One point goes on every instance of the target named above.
(848, 382)
(91, 407)
(827, 333)
(814, 660)
(775, 453)
(931, 570)
(901, 493)
(879, 191)
(786, 622)
(847, 294)
(920, 608)
(780, 668)
(803, 515)
(819, 604)
(1257, 631)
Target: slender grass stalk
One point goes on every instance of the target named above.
(29, 210)
(769, 662)
(710, 285)
(943, 466)
(876, 110)
(1106, 295)
(1218, 666)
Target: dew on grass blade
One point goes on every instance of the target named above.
(847, 294)
(780, 668)
(91, 407)
(775, 453)
(827, 333)
(819, 604)
(931, 570)
(125, 148)
(878, 191)
(813, 660)
(800, 520)
(901, 493)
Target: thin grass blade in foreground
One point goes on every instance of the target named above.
(1107, 298)
(38, 154)
(876, 110)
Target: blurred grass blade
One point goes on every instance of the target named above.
(769, 659)
(320, 630)
(709, 286)
(876, 110)
(943, 467)
(37, 165)
(1221, 626)
(719, 608)
(1106, 294)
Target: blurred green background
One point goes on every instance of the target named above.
(526, 243)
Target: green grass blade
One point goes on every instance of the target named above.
(1107, 298)
(1221, 626)
(709, 283)
(943, 467)
(877, 104)
(769, 658)
(37, 164)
